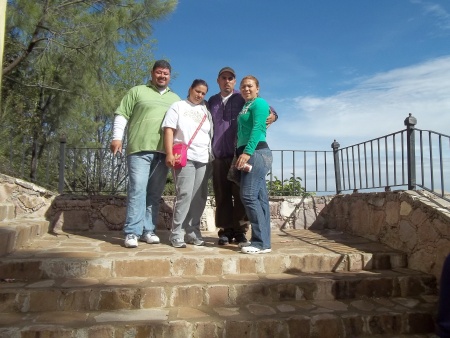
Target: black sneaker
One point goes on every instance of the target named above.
(223, 240)
(240, 238)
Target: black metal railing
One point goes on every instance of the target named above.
(396, 161)
(433, 162)
(405, 159)
(311, 169)
(93, 171)
(379, 163)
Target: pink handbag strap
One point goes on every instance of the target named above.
(198, 128)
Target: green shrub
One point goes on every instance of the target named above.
(288, 187)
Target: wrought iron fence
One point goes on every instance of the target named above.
(379, 163)
(93, 171)
(433, 163)
(295, 172)
(96, 170)
(396, 161)
(407, 159)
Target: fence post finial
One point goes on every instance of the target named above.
(337, 172)
(410, 121)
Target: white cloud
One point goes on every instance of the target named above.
(437, 11)
(375, 107)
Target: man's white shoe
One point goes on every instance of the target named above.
(150, 238)
(131, 241)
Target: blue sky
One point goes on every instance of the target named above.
(349, 70)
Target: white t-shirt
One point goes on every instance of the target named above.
(184, 117)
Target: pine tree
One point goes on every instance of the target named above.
(62, 67)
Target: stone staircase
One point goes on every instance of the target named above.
(17, 232)
(313, 284)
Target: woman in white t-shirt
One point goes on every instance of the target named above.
(180, 124)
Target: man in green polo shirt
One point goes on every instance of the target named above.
(143, 109)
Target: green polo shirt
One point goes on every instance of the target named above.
(144, 108)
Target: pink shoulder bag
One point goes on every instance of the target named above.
(181, 149)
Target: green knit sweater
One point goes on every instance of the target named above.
(252, 124)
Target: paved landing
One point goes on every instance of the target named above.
(90, 245)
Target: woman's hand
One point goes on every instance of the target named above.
(242, 160)
(170, 160)
(168, 145)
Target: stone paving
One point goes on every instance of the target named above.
(290, 242)
(313, 284)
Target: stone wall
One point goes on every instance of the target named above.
(413, 222)
(24, 198)
(104, 213)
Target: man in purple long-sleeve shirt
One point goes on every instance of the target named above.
(225, 107)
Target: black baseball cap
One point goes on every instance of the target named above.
(227, 69)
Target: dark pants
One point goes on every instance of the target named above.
(443, 319)
(230, 212)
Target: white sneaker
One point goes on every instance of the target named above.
(150, 238)
(253, 250)
(131, 241)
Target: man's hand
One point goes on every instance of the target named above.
(116, 146)
(270, 119)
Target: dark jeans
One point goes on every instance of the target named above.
(443, 319)
(230, 212)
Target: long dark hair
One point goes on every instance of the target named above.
(197, 82)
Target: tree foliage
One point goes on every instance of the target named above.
(78, 28)
(66, 65)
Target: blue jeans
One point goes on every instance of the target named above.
(255, 197)
(147, 174)
(191, 184)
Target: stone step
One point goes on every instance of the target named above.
(86, 255)
(425, 335)
(312, 284)
(19, 232)
(227, 290)
(321, 319)
(7, 211)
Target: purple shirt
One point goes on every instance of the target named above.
(225, 123)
